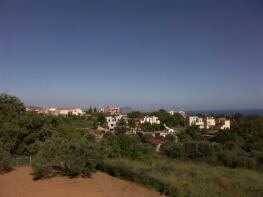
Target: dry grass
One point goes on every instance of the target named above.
(200, 179)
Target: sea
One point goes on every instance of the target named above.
(246, 112)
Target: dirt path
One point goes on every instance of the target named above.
(19, 183)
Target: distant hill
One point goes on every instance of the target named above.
(126, 110)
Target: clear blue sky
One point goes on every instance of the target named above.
(183, 54)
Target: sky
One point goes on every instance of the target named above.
(188, 55)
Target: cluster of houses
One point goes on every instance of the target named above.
(208, 122)
(113, 120)
(114, 115)
(56, 111)
(111, 111)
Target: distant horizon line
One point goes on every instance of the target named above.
(136, 109)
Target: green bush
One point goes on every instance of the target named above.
(66, 157)
(6, 162)
(258, 155)
(124, 171)
(173, 150)
(129, 146)
(235, 159)
(40, 168)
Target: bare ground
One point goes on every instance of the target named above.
(19, 183)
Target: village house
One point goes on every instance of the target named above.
(40, 110)
(208, 122)
(112, 111)
(195, 121)
(150, 119)
(67, 111)
(223, 123)
(73, 111)
(112, 122)
(55, 111)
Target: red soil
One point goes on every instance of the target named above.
(19, 183)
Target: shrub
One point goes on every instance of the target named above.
(247, 162)
(126, 146)
(236, 159)
(173, 150)
(258, 155)
(67, 157)
(6, 163)
(40, 168)
(191, 150)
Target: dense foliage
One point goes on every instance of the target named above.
(241, 146)
(71, 157)
(129, 146)
(6, 162)
(177, 178)
(168, 119)
(150, 127)
(67, 145)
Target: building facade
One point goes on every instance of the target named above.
(151, 120)
(195, 121)
(209, 122)
(67, 111)
(112, 111)
(112, 122)
(223, 123)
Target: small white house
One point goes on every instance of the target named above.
(151, 120)
(112, 121)
(223, 123)
(195, 120)
(172, 112)
(66, 111)
(210, 122)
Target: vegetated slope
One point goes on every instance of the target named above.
(179, 178)
(20, 183)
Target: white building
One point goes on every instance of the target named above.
(66, 111)
(210, 122)
(151, 120)
(172, 112)
(112, 121)
(196, 121)
(223, 123)
(112, 111)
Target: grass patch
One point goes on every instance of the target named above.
(178, 178)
